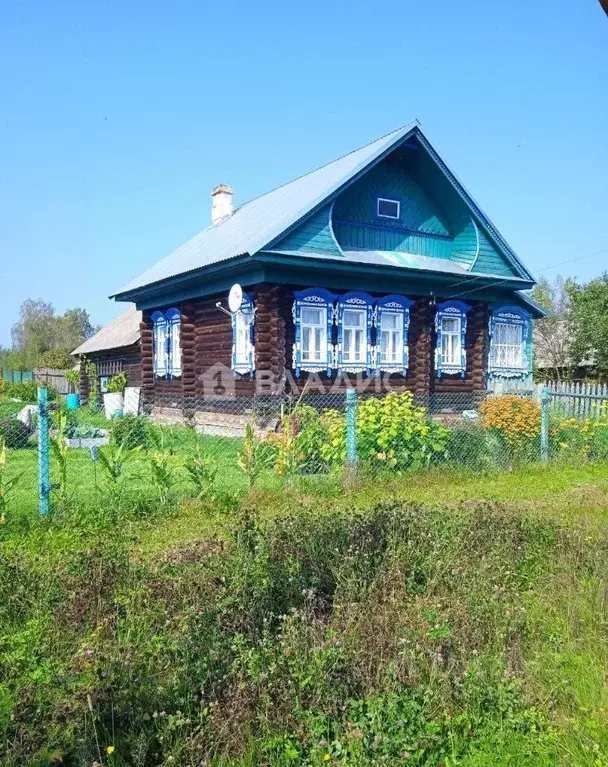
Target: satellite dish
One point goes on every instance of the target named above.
(235, 298)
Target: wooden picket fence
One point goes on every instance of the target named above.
(572, 399)
(577, 399)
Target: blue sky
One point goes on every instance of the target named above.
(118, 118)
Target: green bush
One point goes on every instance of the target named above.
(56, 359)
(117, 384)
(14, 433)
(23, 390)
(131, 431)
(299, 442)
(391, 432)
(580, 438)
(27, 391)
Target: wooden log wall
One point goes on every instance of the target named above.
(270, 337)
(421, 375)
(421, 345)
(206, 346)
(477, 340)
(206, 342)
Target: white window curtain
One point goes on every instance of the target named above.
(313, 317)
(355, 316)
(392, 320)
(354, 336)
(314, 336)
(450, 330)
(167, 347)
(391, 338)
(451, 349)
(510, 343)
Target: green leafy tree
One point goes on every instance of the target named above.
(33, 333)
(41, 337)
(588, 324)
(72, 328)
(57, 359)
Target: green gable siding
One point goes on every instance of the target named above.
(313, 236)
(434, 220)
(465, 248)
(388, 179)
(354, 235)
(490, 261)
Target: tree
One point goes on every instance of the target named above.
(588, 324)
(551, 337)
(41, 336)
(72, 328)
(33, 333)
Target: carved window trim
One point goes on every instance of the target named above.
(322, 299)
(510, 316)
(400, 306)
(451, 310)
(243, 361)
(360, 301)
(167, 354)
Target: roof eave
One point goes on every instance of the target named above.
(179, 280)
(333, 263)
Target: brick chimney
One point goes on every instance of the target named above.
(221, 203)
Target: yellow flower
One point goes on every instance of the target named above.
(326, 758)
(110, 750)
(563, 444)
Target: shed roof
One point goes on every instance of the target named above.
(121, 331)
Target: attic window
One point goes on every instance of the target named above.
(388, 208)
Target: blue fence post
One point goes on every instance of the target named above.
(351, 429)
(545, 397)
(44, 474)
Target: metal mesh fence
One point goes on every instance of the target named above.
(145, 447)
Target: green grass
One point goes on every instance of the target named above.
(446, 617)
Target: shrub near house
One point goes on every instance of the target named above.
(391, 431)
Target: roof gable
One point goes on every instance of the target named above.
(261, 220)
(297, 217)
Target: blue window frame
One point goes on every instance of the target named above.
(243, 338)
(450, 330)
(510, 343)
(392, 320)
(313, 316)
(355, 317)
(167, 349)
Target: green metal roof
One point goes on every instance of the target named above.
(257, 224)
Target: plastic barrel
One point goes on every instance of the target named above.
(73, 401)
